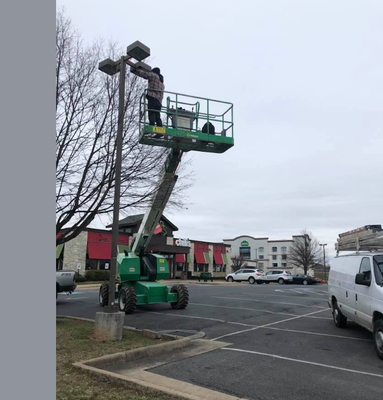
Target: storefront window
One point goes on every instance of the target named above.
(219, 268)
(91, 264)
(201, 267)
(180, 267)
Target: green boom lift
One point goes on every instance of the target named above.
(185, 129)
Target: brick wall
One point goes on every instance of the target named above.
(75, 252)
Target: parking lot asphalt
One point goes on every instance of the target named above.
(282, 341)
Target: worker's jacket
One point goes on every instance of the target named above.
(155, 87)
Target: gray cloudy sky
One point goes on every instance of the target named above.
(305, 77)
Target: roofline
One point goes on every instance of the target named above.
(204, 242)
(139, 221)
(94, 230)
(247, 236)
(129, 234)
(282, 240)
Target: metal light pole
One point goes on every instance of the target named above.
(116, 207)
(324, 260)
(138, 51)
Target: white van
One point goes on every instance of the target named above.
(356, 292)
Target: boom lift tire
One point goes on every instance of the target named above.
(104, 295)
(183, 297)
(127, 300)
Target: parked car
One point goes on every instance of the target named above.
(304, 279)
(355, 289)
(246, 274)
(65, 281)
(279, 276)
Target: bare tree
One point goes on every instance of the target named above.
(86, 127)
(238, 262)
(305, 252)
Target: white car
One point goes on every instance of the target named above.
(279, 276)
(246, 274)
(355, 289)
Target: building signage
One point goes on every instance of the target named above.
(244, 243)
(183, 242)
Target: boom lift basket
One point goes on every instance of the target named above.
(184, 118)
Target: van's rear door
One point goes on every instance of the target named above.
(363, 295)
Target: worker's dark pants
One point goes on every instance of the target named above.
(154, 107)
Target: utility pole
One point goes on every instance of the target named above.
(324, 260)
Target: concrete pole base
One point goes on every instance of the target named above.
(109, 326)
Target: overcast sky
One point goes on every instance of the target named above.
(305, 78)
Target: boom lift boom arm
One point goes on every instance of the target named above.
(154, 212)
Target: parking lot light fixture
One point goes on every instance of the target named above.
(138, 51)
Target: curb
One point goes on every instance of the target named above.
(136, 354)
(134, 381)
(143, 379)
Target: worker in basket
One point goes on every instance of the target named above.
(155, 93)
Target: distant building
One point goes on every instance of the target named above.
(263, 253)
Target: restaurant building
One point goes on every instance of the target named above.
(92, 249)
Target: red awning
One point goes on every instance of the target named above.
(180, 258)
(218, 258)
(100, 251)
(199, 256)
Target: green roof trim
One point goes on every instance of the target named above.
(207, 258)
(225, 260)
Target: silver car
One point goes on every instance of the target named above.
(251, 275)
(280, 276)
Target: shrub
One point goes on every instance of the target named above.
(96, 275)
(80, 278)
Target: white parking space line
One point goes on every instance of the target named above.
(303, 332)
(263, 301)
(319, 334)
(255, 309)
(186, 316)
(287, 296)
(241, 308)
(279, 290)
(303, 362)
(257, 326)
(296, 291)
(263, 326)
(312, 291)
